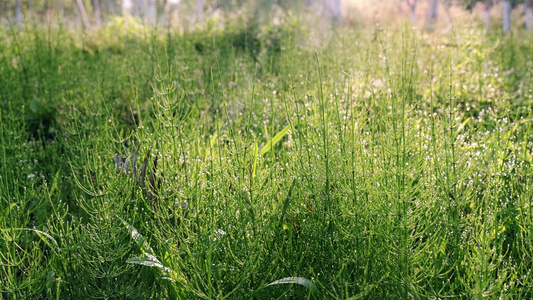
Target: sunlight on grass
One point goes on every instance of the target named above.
(379, 162)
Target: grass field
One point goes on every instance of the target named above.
(363, 163)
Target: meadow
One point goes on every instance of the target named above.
(270, 162)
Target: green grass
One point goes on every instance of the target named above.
(378, 163)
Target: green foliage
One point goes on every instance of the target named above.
(240, 163)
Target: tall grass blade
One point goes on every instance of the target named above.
(45, 237)
(7, 211)
(274, 140)
(297, 280)
(138, 238)
(256, 153)
(149, 261)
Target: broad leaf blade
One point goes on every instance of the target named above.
(134, 163)
(138, 238)
(297, 280)
(45, 237)
(255, 158)
(274, 140)
(149, 262)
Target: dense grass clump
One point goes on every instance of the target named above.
(377, 163)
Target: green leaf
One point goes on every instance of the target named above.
(35, 105)
(274, 140)
(138, 238)
(286, 203)
(149, 261)
(54, 184)
(45, 237)
(7, 211)
(255, 158)
(297, 280)
(152, 262)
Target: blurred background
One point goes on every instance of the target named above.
(187, 14)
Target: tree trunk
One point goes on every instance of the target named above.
(97, 12)
(139, 9)
(412, 10)
(18, 13)
(67, 14)
(29, 13)
(109, 8)
(447, 5)
(334, 7)
(529, 14)
(432, 14)
(83, 14)
(126, 7)
(199, 9)
(151, 11)
(166, 12)
(488, 4)
(3, 13)
(59, 8)
(46, 9)
(308, 4)
(506, 15)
